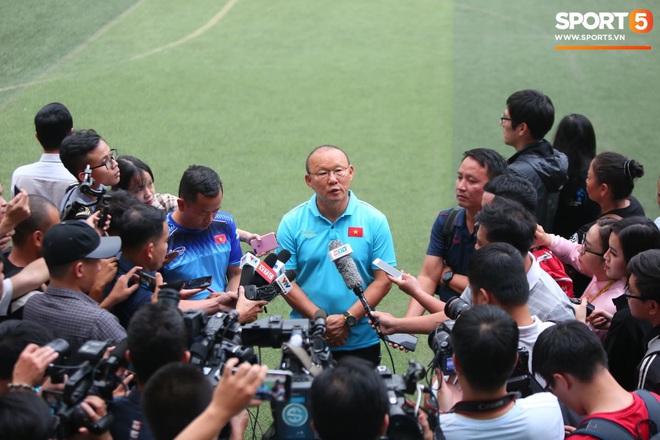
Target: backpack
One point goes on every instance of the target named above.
(449, 228)
(607, 430)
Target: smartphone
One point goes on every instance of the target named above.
(268, 243)
(387, 268)
(590, 307)
(409, 342)
(198, 283)
(147, 281)
(276, 386)
(171, 255)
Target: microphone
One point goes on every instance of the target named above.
(321, 354)
(282, 258)
(265, 271)
(247, 273)
(281, 285)
(250, 259)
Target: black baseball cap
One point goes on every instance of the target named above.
(73, 240)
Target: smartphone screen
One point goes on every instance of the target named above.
(147, 281)
(198, 283)
(276, 386)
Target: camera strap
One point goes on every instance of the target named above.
(485, 405)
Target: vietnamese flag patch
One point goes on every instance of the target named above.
(220, 239)
(355, 232)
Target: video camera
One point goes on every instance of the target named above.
(403, 412)
(93, 376)
(87, 187)
(521, 379)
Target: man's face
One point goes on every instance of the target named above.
(330, 189)
(638, 307)
(199, 214)
(159, 249)
(3, 204)
(470, 181)
(90, 272)
(508, 133)
(108, 174)
(482, 241)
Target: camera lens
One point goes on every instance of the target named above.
(455, 306)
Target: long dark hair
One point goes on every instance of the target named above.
(575, 137)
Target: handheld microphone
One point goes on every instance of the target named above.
(321, 354)
(249, 259)
(282, 258)
(265, 271)
(247, 274)
(281, 285)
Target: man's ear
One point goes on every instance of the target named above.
(77, 268)
(654, 307)
(484, 296)
(149, 250)
(186, 357)
(37, 239)
(180, 204)
(562, 381)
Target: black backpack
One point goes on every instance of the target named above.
(608, 430)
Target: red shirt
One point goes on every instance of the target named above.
(627, 418)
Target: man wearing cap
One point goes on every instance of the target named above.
(72, 250)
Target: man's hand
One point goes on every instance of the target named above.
(121, 291)
(5, 241)
(93, 221)
(386, 322)
(600, 319)
(336, 332)
(32, 364)
(248, 311)
(227, 300)
(105, 276)
(96, 409)
(407, 283)
(18, 209)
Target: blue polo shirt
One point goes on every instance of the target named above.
(204, 252)
(306, 234)
(460, 251)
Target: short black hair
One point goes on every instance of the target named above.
(493, 161)
(15, 335)
(75, 148)
(39, 219)
(645, 267)
(485, 343)
(617, 172)
(119, 202)
(568, 347)
(174, 396)
(514, 187)
(26, 416)
(140, 224)
(499, 269)
(198, 179)
(349, 401)
(53, 122)
(534, 109)
(131, 168)
(636, 234)
(507, 221)
(156, 336)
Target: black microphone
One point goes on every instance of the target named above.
(320, 352)
(281, 285)
(264, 273)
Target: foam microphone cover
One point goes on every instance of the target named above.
(346, 267)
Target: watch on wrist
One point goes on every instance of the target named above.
(447, 277)
(350, 319)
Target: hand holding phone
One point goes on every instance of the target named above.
(267, 243)
(387, 268)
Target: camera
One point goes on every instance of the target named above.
(439, 340)
(403, 418)
(93, 376)
(87, 187)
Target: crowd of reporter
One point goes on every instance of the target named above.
(542, 290)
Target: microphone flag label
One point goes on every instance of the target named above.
(284, 284)
(340, 252)
(250, 260)
(354, 231)
(266, 272)
(220, 239)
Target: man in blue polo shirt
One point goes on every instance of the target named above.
(335, 213)
(205, 236)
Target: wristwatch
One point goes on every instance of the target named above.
(447, 276)
(350, 319)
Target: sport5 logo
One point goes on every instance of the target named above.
(640, 21)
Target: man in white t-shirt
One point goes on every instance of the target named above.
(485, 345)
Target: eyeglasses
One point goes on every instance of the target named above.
(503, 119)
(584, 250)
(107, 163)
(627, 295)
(325, 174)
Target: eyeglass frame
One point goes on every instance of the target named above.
(627, 295)
(503, 120)
(325, 174)
(113, 157)
(583, 250)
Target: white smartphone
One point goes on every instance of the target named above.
(387, 268)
